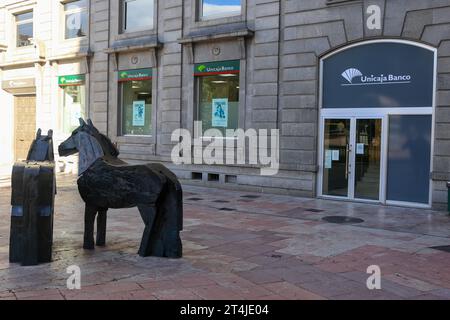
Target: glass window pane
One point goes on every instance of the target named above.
(73, 107)
(138, 15)
(336, 157)
(76, 25)
(409, 155)
(212, 8)
(219, 102)
(74, 5)
(137, 107)
(368, 159)
(24, 34)
(24, 16)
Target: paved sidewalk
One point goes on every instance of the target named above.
(241, 245)
(5, 175)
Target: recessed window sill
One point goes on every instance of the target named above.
(76, 40)
(135, 34)
(134, 44)
(22, 62)
(24, 48)
(135, 139)
(218, 32)
(342, 2)
(217, 20)
(72, 55)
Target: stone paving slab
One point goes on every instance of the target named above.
(240, 245)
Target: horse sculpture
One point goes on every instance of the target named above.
(32, 198)
(107, 182)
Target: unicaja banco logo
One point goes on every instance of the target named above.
(355, 77)
(201, 68)
(350, 74)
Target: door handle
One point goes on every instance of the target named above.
(347, 162)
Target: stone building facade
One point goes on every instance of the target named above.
(278, 50)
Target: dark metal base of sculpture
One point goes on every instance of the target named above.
(107, 182)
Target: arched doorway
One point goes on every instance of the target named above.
(376, 123)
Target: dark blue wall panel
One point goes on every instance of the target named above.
(409, 155)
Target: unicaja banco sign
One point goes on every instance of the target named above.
(355, 77)
(379, 75)
(217, 68)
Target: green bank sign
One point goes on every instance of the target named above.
(136, 75)
(72, 80)
(212, 68)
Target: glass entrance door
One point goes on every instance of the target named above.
(351, 158)
(336, 157)
(367, 159)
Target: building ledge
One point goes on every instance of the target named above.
(440, 176)
(70, 56)
(3, 47)
(217, 33)
(21, 63)
(339, 2)
(135, 44)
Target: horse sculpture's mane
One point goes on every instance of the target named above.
(92, 144)
(108, 147)
(89, 150)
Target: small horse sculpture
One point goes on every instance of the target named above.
(107, 182)
(33, 187)
(41, 148)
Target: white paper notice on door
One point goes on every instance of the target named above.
(328, 159)
(360, 148)
(335, 156)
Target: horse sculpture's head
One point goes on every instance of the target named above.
(42, 147)
(69, 146)
(86, 140)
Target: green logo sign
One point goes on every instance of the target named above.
(221, 67)
(138, 74)
(72, 80)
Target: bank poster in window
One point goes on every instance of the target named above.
(219, 113)
(138, 113)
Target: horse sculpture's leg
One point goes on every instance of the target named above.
(89, 219)
(148, 214)
(101, 228)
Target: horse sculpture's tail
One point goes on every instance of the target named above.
(165, 239)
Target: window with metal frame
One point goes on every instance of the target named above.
(137, 15)
(75, 19)
(136, 102)
(218, 92)
(24, 29)
(213, 9)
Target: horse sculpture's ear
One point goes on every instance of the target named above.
(50, 133)
(38, 133)
(82, 123)
(89, 122)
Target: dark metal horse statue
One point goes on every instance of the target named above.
(107, 182)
